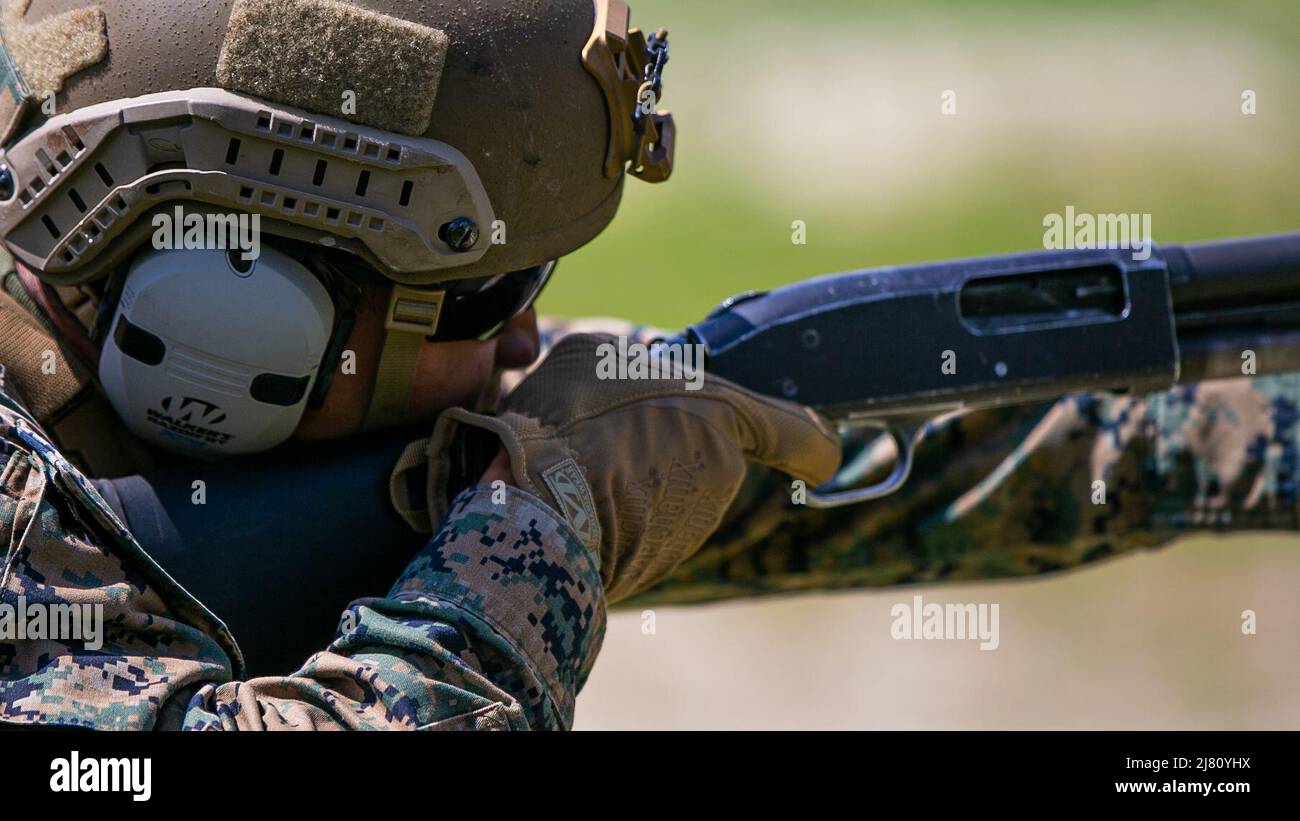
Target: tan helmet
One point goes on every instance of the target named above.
(437, 139)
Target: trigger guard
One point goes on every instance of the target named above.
(827, 496)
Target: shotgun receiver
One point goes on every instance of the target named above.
(892, 348)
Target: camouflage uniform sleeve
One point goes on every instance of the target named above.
(495, 624)
(1016, 492)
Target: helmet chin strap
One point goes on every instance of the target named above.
(412, 315)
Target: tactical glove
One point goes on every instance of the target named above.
(643, 469)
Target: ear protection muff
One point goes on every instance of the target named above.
(209, 354)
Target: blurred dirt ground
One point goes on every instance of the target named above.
(1152, 641)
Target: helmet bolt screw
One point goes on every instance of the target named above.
(461, 234)
(6, 183)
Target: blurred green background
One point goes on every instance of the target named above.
(828, 111)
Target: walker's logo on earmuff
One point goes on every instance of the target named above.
(190, 419)
(209, 414)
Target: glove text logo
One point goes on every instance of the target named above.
(574, 496)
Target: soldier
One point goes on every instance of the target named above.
(209, 215)
(369, 294)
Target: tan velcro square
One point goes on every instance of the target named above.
(335, 59)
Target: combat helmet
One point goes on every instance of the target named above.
(440, 143)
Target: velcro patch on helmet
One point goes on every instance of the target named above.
(333, 58)
(50, 51)
(15, 96)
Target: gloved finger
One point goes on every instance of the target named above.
(789, 437)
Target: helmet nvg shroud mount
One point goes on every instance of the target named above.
(436, 144)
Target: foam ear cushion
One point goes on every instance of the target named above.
(311, 53)
(52, 50)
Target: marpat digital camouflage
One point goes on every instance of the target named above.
(494, 625)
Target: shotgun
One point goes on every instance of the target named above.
(892, 348)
